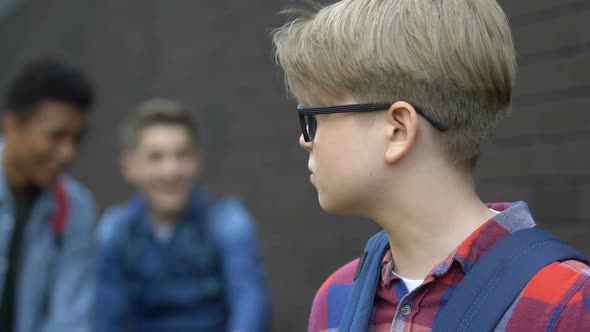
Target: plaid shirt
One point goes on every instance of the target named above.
(556, 299)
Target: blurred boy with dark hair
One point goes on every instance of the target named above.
(47, 216)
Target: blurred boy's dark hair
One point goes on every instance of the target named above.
(47, 79)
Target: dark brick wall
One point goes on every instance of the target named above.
(216, 56)
(542, 154)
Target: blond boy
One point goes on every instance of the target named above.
(396, 99)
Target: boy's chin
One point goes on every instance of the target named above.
(334, 206)
(46, 180)
(170, 205)
(343, 205)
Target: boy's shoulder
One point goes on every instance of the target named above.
(77, 191)
(331, 298)
(558, 296)
(115, 223)
(560, 283)
(78, 206)
(228, 218)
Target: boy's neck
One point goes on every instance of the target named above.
(426, 222)
(164, 217)
(16, 179)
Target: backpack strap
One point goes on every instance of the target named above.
(359, 308)
(491, 286)
(59, 220)
(58, 223)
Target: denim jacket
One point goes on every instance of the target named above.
(172, 285)
(54, 285)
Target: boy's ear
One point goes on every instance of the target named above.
(403, 125)
(9, 123)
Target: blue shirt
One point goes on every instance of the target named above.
(208, 277)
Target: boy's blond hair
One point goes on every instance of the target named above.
(453, 58)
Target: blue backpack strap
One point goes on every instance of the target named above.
(491, 286)
(359, 308)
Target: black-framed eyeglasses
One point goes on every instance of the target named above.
(309, 125)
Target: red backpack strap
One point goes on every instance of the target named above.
(59, 219)
(58, 223)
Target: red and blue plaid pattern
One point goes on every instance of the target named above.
(557, 298)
